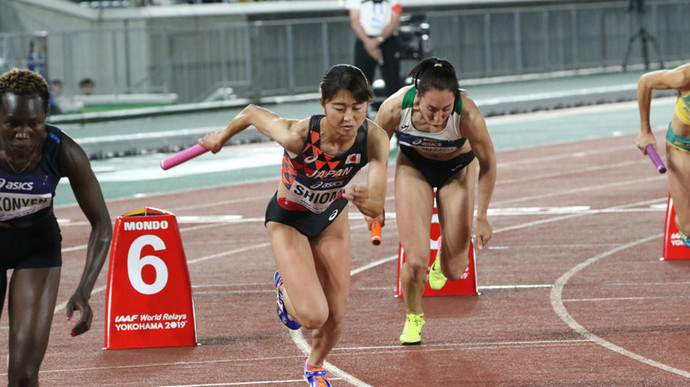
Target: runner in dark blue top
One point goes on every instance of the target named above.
(33, 158)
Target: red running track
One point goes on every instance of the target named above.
(572, 291)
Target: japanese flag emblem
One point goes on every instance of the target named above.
(353, 158)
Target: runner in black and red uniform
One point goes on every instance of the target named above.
(307, 218)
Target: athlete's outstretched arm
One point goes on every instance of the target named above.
(288, 133)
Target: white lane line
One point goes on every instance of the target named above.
(342, 351)
(258, 383)
(373, 264)
(565, 217)
(217, 292)
(465, 346)
(622, 298)
(298, 338)
(514, 287)
(558, 306)
(592, 187)
(501, 211)
(304, 346)
(575, 172)
(173, 363)
(560, 156)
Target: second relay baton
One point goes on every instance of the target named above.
(651, 152)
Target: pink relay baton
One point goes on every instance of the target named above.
(181, 157)
(651, 152)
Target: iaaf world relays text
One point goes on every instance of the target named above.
(136, 322)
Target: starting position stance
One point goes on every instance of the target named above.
(33, 158)
(307, 218)
(443, 138)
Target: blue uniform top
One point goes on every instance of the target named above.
(29, 196)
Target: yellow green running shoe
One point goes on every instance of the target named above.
(412, 331)
(436, 278)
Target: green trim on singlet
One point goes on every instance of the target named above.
(408, 99)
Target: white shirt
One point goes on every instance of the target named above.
(374, 17)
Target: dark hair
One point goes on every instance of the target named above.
(25, 82)
(435, 73)
(346, 77)
(86, 82)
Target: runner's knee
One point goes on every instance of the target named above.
(416, 269)
(454, 267)
(312, 316)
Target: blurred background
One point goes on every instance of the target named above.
(170, 52)
(113, 60)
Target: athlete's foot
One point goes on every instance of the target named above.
(412, 331)
(436, 278)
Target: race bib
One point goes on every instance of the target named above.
(22, 196)
(317, 197)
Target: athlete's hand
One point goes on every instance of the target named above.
(77, 302)
(644, 139)
(212, 141)
(356, 194)
(482, 233)
(371, 220)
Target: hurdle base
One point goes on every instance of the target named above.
(674, 248)
(465, 286)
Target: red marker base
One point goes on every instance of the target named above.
(674, 248)
(149, 294)
(466, 285)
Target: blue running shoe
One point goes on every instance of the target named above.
(316, 377)
(280, 306)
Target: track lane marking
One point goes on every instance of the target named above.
(558, 306)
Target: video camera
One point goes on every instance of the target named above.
(413, 37)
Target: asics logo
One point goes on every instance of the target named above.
(16, 185)
(327, 184)
(333, 215)
(310, 159)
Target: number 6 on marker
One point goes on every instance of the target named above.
(136, 263)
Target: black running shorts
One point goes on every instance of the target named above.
(437, 172)
(34, 246)
(306, 222)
